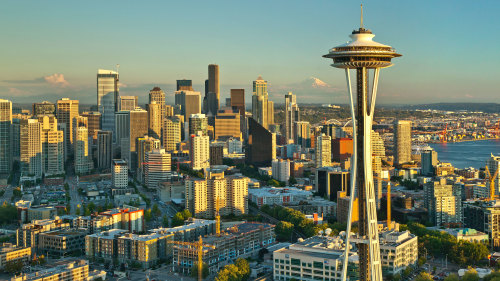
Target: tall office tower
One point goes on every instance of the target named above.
(227, 124)
(342, 149)
(127, 103)
(138, 119)
(79, 121)
(157, 167)
(122, 127)
(331, 180)
(261, 145)
(213, 92)
(6, 136)
(82, 159)
(94, 123)
(155, 119)
(198, 122)
(144, 145)
(171, 133)
(281, 169)
(169, 111)
(493, 164)
(440, 202)
(199, 151)
(157, 95)
(66, 111)
(260, 102)
(292, 115)
(428, 160)
(378, 148)
(362, 54)
(184, 85)
(189, 102)
(216, 153)
(43, 108)
(323, 151)
(16, 141)
(270, 112)
(302, 134)
(107, 97)
(31, 148)
(120, 173)
(52, 145)
(238, 100)
(402, 142)
(104, 149)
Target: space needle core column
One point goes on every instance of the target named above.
(363, 54)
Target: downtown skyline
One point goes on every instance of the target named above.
(53, 50)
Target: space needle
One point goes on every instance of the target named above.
(363, 54)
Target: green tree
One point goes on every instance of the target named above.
(204, 272)
(156, 210)
(424, 276)
(273, 182)
(17, 192)
(283, 231)
(407, 271)
(451, 277)
(177, 220)
(148, 215)
(186, 214)
(14, 266)
(396, 277)
(243, 268)
(165, 221)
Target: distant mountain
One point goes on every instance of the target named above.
(483, 107)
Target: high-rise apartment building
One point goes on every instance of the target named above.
(302, 133)
(443, 205)
(262, 108)
(212, 96)
(138, 119)
(171, 133)
(6, 136)
(292, 115)
(402, 141)
(281, 169)
(144, 145)
(31, 148)
(155, 119)
(79, 121)
(493, 164)
(184, 85)
(107, 97)
(238, 100)
(378, 147)
(428, 160)
(52, 145)
(216, 153)
(67, 110)
(261, 145)
(127, 103)
(157, 167)
(199, 152)
(189, 102)
(104, 149)
(94, 123)
(198, 122)
(120, 173)
(323, 151)
(43, 108)
(227, 124)
(83, 163)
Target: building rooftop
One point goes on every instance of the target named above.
(109, 234)
(53, 269)
(274, 191)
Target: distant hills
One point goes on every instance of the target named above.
(483, 107)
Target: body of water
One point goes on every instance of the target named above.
(467, 154)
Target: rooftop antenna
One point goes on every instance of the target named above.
(118, 65)
(361, 16)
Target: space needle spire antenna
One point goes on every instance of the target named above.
(363, 55)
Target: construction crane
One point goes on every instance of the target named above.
(491, 180)
(198, 246)
(388, 180)
(444, 134)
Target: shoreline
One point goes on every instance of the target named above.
(459, 141)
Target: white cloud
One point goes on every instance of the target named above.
(56, 79)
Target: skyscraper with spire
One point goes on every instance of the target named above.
(363, 54)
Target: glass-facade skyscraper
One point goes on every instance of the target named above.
(107, 98)
(5, 136)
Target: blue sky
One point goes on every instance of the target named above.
(51, 49)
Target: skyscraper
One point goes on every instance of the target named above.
(302, 133)
(238, 100)
(402, 142)
(94, 123)
(83, 163)
(428, 160)
(31, 148)
(292, 115)
(171, 133)
(43, 108)
(216, 153)
(227, 124)
(323, 151)
(138, 119)
(199, 152)
(104, 149)
(261, 146)
(67, 110)
(6, 144)
(378, 148)
(52, 145)
(493, 164)
(362, 54)
(260, 105)
(155, 119)
(127, 103)
(122, 127)
(184, 85)
(189, 102)
(213, 92)
(198, 122)
(107, 97)
(157, 167)
(441, 203)
(144, 145)
(157, 95)
(120, 173)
